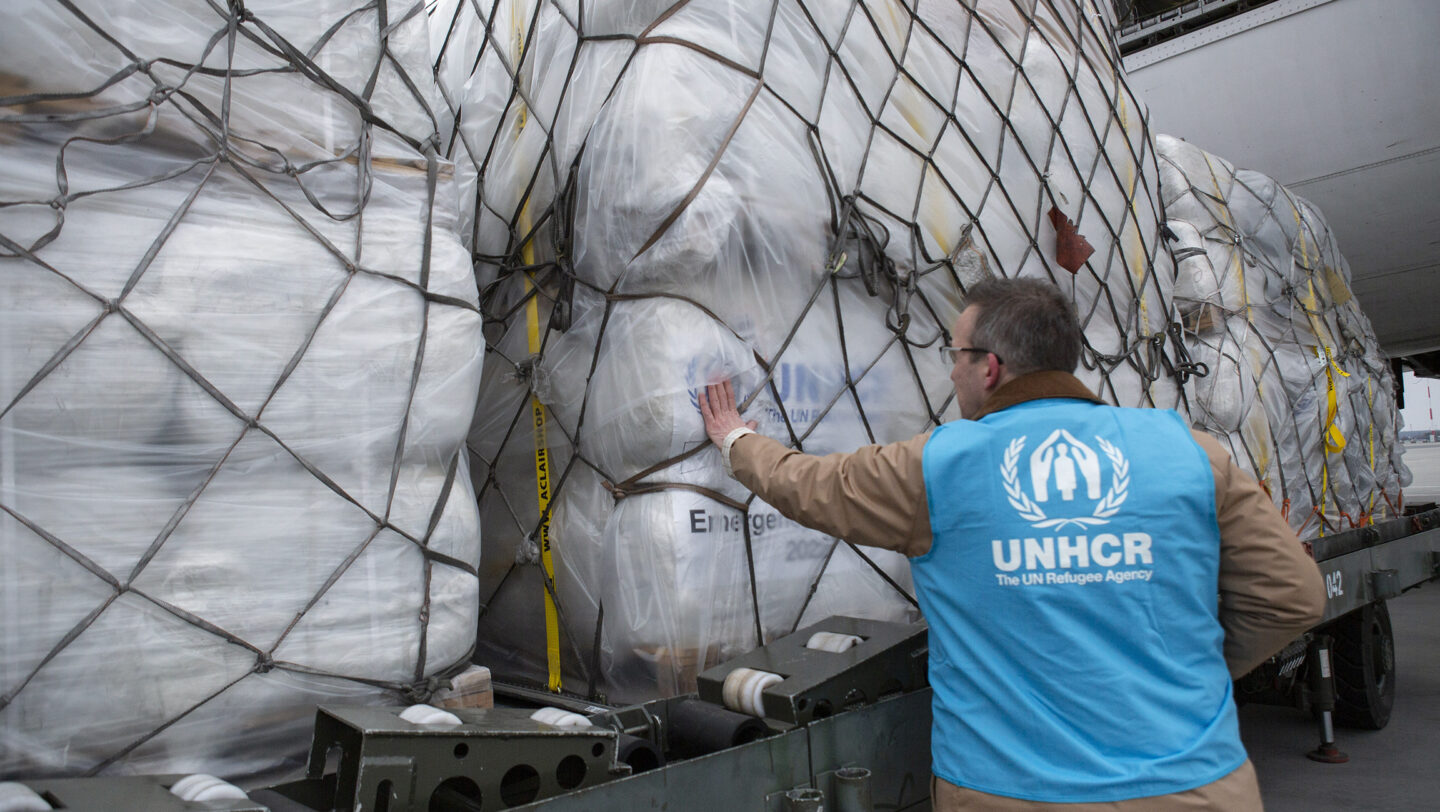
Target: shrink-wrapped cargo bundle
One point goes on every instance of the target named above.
(239, 348)
(1297, 385)
(794, 195)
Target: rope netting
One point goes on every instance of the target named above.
(239, 347)
(792, 194)
(1298, 386)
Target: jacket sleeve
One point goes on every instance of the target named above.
(874, 496)
(1270, 588)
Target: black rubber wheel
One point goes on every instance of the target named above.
(1363, 658)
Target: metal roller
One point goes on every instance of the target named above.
(559, 717)
(16, 797)
(833, 642)
(428, 715)
(697, 727)
(640, 753)
(201, 787)
(744, 687)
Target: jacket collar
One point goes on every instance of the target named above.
(1035, 386)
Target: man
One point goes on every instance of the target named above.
(1067, 556)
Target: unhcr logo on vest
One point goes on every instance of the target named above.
(1064, 474)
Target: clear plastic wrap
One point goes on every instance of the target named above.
(792, 194)
(239, 348)
(1297, 385)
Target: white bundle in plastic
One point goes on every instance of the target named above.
(1297, 384)
(239, 348)
(792, 194)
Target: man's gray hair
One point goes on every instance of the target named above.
(1028, 323)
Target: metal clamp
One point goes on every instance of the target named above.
(1384, 584)
(385, 762)
(890, 659)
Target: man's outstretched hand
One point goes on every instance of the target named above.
(717, 407)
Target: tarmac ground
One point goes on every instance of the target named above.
(1390, 769)
(1423, 460)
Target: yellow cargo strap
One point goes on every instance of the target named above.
(1237, 260)
(537, 409)
(1370, 401)
(542, 481)
(1134, 249)
(1263, 450)
(1334, 438)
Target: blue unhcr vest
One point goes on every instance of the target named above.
(1071, 590)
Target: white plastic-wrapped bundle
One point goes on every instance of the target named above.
(239, 347)
(792, 194)
(1297, 385)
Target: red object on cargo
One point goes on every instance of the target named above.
(1071, 248)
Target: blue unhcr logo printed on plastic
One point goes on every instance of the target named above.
(801, 390)
(700, 373)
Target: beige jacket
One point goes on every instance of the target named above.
(1270, 588)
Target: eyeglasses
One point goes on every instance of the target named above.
(951, 354)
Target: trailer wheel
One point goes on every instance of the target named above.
(1364, 663)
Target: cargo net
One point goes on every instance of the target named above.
(1297, 385)
(239, 347)
(795, 195)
